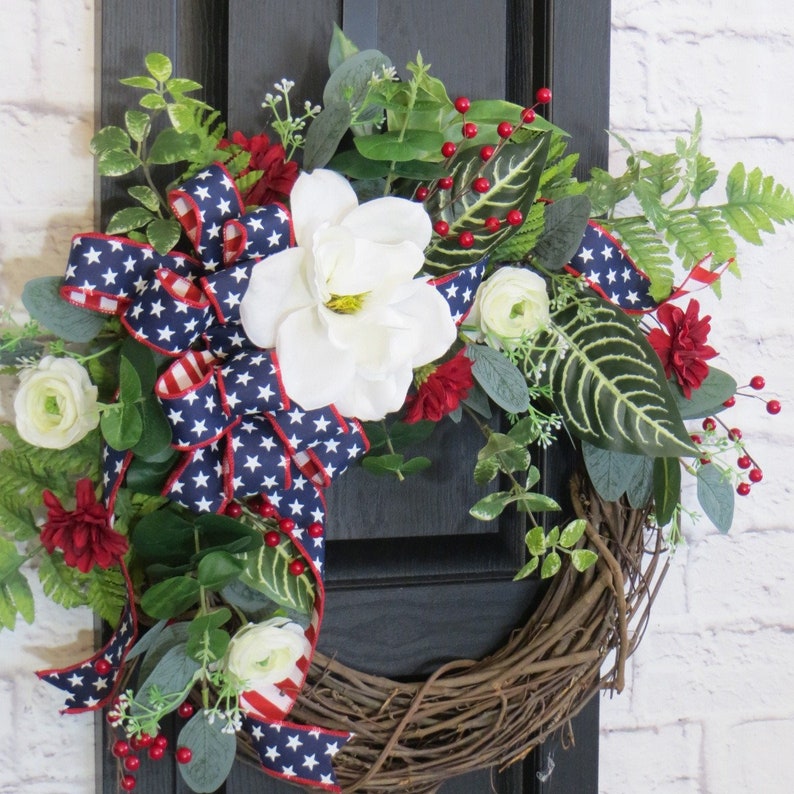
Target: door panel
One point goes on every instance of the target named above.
(412, 580)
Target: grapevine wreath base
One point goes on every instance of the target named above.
(468, 715)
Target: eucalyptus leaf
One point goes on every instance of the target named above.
(42, 299)
(716, 496)
(147, 640)
(207, 642)
(564, 224)
(400, 146)
(501, 380)
(325, 133)
(340, 50)
(612, 473)
(171, 675)
(213, 753)
(121, 425)
(708, 398)
(350, 81)
(172, 635)
(355, 165)
(666, 488)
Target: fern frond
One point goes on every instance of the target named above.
(755, 203)
(516, 247)
(63, 584)
(696, 233)
(107, 594)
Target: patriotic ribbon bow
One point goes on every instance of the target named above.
(230, 417)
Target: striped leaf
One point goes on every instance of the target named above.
(608, 383)
(514, 175)
(267, 570)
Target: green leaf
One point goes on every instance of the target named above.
(608, 384)
(572, 533)
(224, 532)
(524, 431)
(163, 234)
(527, 569)
(501, 380)
(171, 636)
(267, 571)
(218, 568)
(159, 66)
(42, 299)
(147, 640)
(109, 139)
(404, 435)
(181, 85)
(716, 496)
(383, 464)
(213, 753)
(145, 195)
(356, 166)
(116, 163)
(140, 81)
(564, 224)
(485, 471)
(536, 541)
(349, 82)
(490, 506)
(340, 50)
(155, 438)
(755, 202)
(551, 565)
(149, 476)
(171, 146)
(61, 583)
(138, 125)
(666, 488)
(128, 218)
(172, 674)
(582, 559)
(207, 642)
(534, 502)
(513, 174)
(708, 398)
(415, 465)
(612, 473)
(165, 537)
(171, 597)
(640, 489)
(399, 146)
(140, 359)
(325, 133)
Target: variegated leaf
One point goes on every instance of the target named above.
(608, 383)
(267, 570)
(513, 174)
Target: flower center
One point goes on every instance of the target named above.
(346, 304)
(421, 374)
(51, 405)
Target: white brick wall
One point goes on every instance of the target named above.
(709, 706)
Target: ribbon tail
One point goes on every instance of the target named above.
(297, 753)
(92, 684)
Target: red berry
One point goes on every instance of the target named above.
(297, 567)
(156, 753)
(422, 193)
(709, 424)
(773, 407)
(696, 439)
(705, 461)
(481, 185)
(757, 382)
(144, 740)
(186, 709)
(160, 741)
(543, 96)
(486, 153)
(744, 462)
(121, 748)
(466, 239)
(266, 510)
(448, 149)
(492, 224)
(445, 183)
(441, 228)
(286, 525)
(505, 129)
(734, 434)
(315, 530)
(234, 510)
(515, 218)
(272, 538)
(730, 402)
(470, 130)
(103, 666)
(743, 488)
(184, 755)
(462, 104)
(756, 475)
(132, 763)
(527, 115)
(127, 783)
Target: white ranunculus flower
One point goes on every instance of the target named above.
(56, 404)
(510, 304)
(343, 310)
(263, 654)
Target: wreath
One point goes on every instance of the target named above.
(286, 308)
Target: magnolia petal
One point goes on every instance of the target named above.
(315, 372)
(370, 400)
(391, 220)
(432, 327)
(277, 286)
(388, 265)
(321, 197)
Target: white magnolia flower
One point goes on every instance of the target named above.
(509, 305)
(263, 654)
(56, 404)
(347, 317)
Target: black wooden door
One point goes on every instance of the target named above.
(412, 580)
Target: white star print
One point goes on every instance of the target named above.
(92, 255)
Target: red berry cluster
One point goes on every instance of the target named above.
(744, 462)
(479, 184)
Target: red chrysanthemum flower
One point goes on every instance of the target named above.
(83, 534)
(441, 391)
(682, 348)
(279, 174)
